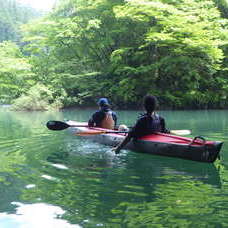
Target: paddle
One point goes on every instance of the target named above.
(59, 125)
(98, 132)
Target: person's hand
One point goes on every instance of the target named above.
(116, 150)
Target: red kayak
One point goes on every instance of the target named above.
(196, 149)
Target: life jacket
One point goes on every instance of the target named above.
(154, 123)
(108, 121)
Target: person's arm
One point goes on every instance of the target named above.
(135, 132)
(92, 120)
(163, 127)
(114, 116)
(123, 143)
(96, 119)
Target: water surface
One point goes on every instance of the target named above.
(54, 179)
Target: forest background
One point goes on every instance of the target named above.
(120, 49)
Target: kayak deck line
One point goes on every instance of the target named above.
(196, 149)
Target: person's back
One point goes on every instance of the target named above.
(105, 117)
(148, 123)
(108, 121)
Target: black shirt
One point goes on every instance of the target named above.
(148, 124)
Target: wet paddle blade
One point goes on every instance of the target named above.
(56, 125)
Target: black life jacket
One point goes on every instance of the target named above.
(153, 123)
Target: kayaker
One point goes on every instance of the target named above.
(104, 117)
(147, 123)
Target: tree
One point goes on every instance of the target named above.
(15, 72)
(124, 49)
(12, 15)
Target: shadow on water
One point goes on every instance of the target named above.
(156, 166)
(174, 190)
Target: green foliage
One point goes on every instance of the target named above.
(12, 15)
(223, 7)
(38, 98)
(185, 43)
(176, 50)
(15, 72)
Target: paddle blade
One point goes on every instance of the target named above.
(180, 132)
(56, 125)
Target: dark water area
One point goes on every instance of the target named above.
(55, 179)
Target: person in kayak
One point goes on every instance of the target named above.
(148, 123)
(104, 117)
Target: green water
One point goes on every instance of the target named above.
(55, 180)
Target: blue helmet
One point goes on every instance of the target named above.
(103, 102)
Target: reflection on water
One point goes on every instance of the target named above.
(66, 181)
(35, 216)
